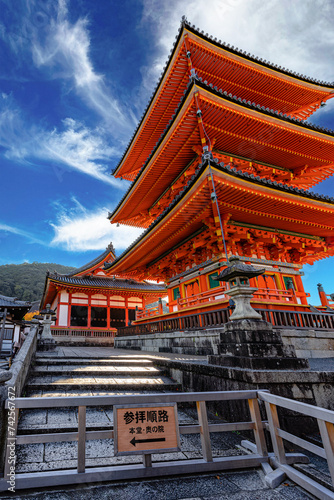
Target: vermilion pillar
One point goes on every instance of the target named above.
(126, 312)
(69, 309)
(89, 310)
(322, 295)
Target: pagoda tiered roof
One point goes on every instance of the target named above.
(226, 68)
(255, 139)
(259, 215)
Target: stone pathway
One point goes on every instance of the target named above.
(102, 371)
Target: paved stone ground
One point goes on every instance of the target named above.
(95, 370)
(245, 485)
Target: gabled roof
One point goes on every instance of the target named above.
(107, 256)
(226, 68)
(84, 278)
(303, 150)
(17, 308)
(12, 302)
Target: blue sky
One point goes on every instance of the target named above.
(75, 77)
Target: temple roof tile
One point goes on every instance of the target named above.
(116, 283)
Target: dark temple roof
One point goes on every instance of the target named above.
(117, 283)
(12, 302)
(232, 171)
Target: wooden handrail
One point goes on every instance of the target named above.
(279, 459)
(325, 419)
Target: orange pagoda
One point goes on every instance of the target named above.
(89, 303)
(221, 164)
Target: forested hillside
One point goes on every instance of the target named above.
(26, 281)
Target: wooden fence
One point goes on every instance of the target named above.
(278, 460)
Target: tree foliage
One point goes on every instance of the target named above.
(26, 281)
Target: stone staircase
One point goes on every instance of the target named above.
(95, 376)
(88, 376)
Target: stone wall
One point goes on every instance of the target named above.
(197, 342)
(310, 343)
(19, 372)
(314, 388)
(307, 343)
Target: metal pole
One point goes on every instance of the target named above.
(220, 221)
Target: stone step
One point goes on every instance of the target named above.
(58, 370)
(56, 382)
(41, 361)
(59, 392)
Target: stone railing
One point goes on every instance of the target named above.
(14, 379)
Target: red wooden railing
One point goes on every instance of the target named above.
(207, 319)
(216, 294)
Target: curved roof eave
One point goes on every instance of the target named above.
(192, 28)
(232, 171)
(229, 97)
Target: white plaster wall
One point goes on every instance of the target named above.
(16, 333)
(62, 315)
(63, 296)
(99, 300)
(135, 301)
(117, 300)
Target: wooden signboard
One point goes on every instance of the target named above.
(146, 429)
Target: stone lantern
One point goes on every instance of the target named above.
(46, 341)
(238, 274)
(246, 340)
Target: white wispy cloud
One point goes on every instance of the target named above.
(80, 230)
(65, 49)
(20, 232)
(297, 35)
(74, 146)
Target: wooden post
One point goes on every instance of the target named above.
(147, 460)
(260, 439)
(327, 436)
(277, 441)
(81, 438)
(205, 434)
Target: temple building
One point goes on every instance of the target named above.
(221, 164)
(12, 312)
(89, 303)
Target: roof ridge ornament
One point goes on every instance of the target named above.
(110, 247)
